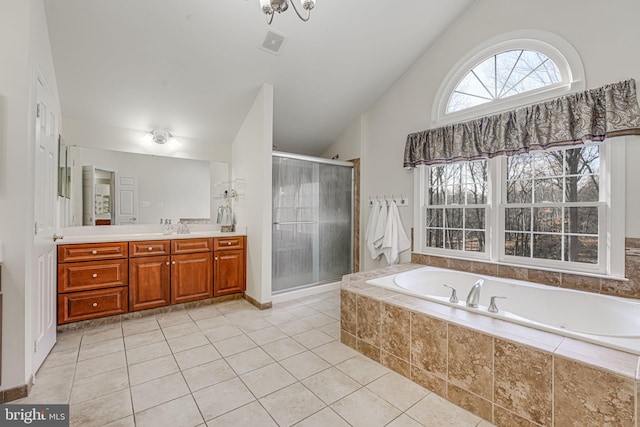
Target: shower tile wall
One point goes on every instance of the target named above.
(505, 373)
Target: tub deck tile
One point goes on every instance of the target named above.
(618, 362)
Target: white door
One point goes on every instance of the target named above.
(126, 200)
(44, 258)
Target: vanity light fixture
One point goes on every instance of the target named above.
(270, 7)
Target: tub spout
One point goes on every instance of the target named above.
(474, 294)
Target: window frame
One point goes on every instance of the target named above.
(611, 228)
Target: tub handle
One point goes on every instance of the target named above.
(493, 308)
(454, 296)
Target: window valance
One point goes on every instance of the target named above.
(591, 115)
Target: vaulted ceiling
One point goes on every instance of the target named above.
(194, 67)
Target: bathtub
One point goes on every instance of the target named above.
(609, 321)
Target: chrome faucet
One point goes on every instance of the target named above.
(474, 294)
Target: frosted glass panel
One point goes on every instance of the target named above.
(312, 222)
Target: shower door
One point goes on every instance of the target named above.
(312, 221)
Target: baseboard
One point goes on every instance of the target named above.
(261, 306)
(15, 393)
(300, 293)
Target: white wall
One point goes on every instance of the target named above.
(98, 135)
(605, 34)
(349, 145)
(25, 48)
(251, 161)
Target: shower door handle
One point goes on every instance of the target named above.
(295, 222)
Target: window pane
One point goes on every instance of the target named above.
(519, 191)
(454, 195)
(436, 176)
(547, 220)
(502, 75)
(453, 218)
(548, 163)
(474, 241)
(453, 174)
(583, 160)
(517, 244)
(474, 219)
(434, 238)
(453, 239)
(434, 218)
(548, 190)
(581, 220)
(518, 219)
(436, 196)
(547, 246)
(581, 249)
(519, 167)
(585, 188)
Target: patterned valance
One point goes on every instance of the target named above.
(592, 115)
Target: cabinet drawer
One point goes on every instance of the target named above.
(149, 248)
(92, 251)
(83, 276)
(76, 306)
(222, 243)
(186, 246)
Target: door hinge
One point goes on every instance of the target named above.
(38, 110)
(35, 346)
(35, 228)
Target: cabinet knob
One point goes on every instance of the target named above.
(228, 243)
(150, 248)
(94, 275)
(95, 304)
(174, 263)
(216, 258)
(167, 262)
(94, 252)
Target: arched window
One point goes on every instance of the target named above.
(503, 75)
(507, 72)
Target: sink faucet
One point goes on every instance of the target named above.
(474, 294)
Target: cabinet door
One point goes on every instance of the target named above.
(149, 281)
(191, 277)
(229, 272)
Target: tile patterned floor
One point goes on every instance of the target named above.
(231, 364)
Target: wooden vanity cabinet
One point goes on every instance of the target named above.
(149, 274)
(92, 281)
(191, 270)
(229, 266)
(104, 279)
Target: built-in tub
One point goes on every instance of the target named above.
(605, 320)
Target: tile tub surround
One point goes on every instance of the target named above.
(618, 288)
(231, 364)
(508, 374)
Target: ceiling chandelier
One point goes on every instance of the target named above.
(269, 7)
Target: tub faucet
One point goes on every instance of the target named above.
(474, 294)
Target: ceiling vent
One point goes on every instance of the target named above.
(273, 43)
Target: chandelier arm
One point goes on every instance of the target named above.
(270, 18)
(293, 3)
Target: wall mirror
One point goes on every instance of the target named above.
(117, 188)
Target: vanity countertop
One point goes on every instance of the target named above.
(100, 237)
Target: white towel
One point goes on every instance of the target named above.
(381, 224)
(395, 239)
(371, 230)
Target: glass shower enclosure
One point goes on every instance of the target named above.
(312, 221)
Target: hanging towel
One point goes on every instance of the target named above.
(371, 230)
(395, 239)
(381, 224)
